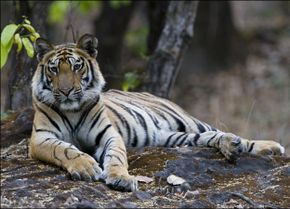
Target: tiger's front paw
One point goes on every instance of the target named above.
(230, 146)
(84, 167)
(121, 181)
(267, 148)
(126, 183)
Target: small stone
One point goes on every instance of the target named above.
(85, 204)
(175, 180)
(141, 195)
(144, 179)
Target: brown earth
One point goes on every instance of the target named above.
(211, 181)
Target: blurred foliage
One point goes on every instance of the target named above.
(116, 4)
(3, 116)
(137, 40)
(58, 9)
(21, 35)
(131, 81)
(86, 6)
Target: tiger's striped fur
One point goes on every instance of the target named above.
(85, 131)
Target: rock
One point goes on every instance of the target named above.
(142, 195)
(210, 181)
(16, 127)
(175, 180)
(144, 179)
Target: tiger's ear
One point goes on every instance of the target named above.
(88, 43)
(42, 46)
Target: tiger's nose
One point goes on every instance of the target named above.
(66, 91)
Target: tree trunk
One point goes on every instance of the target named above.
(110, 29)
(216, 43)
(22, 67)
(156, 12)
(164, 64)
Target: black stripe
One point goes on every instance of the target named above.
(123, 120)
(91, 84)
(49, 131)
(176, 140)
(49, 118)
(182, 141)
(84, 115)
(96, 119)
(119, 150)
(144, 125)
(109, 155)
(181, 125)
(118, 128)
(200, 127)
(66, 153)
(65, 120)
(101, 160)
(207, 144)
(44, 80)
(251, 147)
(168, 140)
(195, 139)
(154, 120)
(218, 141)
(47, 139)
(213, 129)
(54, 151)
(135, 139)
(159, 113)
(101, 134)
(142, 121)
(86, 78)
(128, 110)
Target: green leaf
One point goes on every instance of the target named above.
(34, 36)
(4, 55)
(28, 46)
(27, 21)
(29, 28)
(18, 41)
(8, 33)
(5, 52)
(57, 11)
(131, 81)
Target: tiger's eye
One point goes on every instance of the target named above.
(77, 66)
(53, 69)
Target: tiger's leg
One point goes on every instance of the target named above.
(45, 146)
(112, 155)
(229, 144)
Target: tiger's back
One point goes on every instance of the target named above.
(140, 117)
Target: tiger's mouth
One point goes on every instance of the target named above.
(70, 105)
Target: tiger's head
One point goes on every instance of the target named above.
(67, 75)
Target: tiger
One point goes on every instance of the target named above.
(84, 130)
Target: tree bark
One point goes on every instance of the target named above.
(156, 12)
(164, 64)
(217, 44)
(22, 67)
(110, 29)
